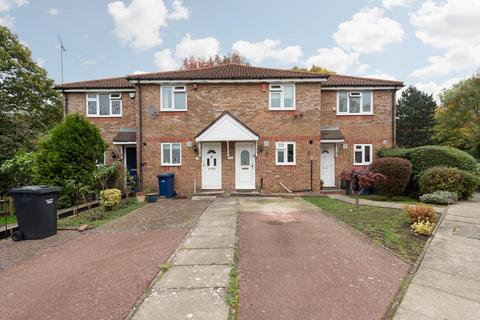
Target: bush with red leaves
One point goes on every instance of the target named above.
(397, 172)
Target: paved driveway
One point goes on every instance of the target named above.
(99, 274)
(297, 263)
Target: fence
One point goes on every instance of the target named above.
(7, 212)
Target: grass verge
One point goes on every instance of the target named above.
(378, 197)
(231, 296)
(385, 226)
(11, 219)
(94, 218)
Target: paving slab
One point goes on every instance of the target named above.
(197, 304)
(213, 232)
(209, 242)
(213, 223)
(213, 276)
(203, 256)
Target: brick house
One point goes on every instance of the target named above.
(235, 127)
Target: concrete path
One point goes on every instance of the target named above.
(296, 262)
(195, 285)
(383, 204)
(447, 283)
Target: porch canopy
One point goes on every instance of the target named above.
(125, 136)
(330, 134)
(226, 128)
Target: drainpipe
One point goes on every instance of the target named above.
(140, 138)
(394, 117)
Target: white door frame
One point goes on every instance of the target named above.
(205, 147)
(238, 169)
(332, 148)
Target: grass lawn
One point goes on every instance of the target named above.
(399, 199)
(125, 207)
(11, 219)
(388, 227)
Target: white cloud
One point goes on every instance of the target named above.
(368, 31)
(382, 75)
(362, 68)
(434, 88)
(7, 20)
(165, 61)
(388, 4)
(89, 62)
(41, 62)
(447, 24)
(454, 60)
(203, 47)
(139, 25)
(7, 5)
(53, 12)
(138, 72)
(335, 59)
(257, 52)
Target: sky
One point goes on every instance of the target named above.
(430, 44)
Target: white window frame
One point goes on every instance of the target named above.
(286, 163)
(361, 103)
(170, 164)
(282, 98)
(362, 149)
(174, 89)
(112, 97)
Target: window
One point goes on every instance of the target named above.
(349, 102)
(285, 153)
(282, 96)
(104, 105)
(171, 154)
(362, 154)
(173, 98)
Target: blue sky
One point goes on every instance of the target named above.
(430, 43)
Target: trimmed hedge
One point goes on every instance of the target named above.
(455, 180)
(439, 197)
(394, 153)
(397, 172)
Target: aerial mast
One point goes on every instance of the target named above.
(62, 50)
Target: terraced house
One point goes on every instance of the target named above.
(237, 127)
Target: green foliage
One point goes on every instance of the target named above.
(426, 157)
(423, 227)
(458, 117)
(397, 172)
(106, 176)
(455, 180)
(69, 152)
(394, 152)
(440, 197)
(17, 171)
(315, 69)
(109, 198)
(415, 114)
(29, 105)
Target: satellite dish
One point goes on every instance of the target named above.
(152, 111)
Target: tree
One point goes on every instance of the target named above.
(67, 157)
(315, 69)
(415, 118)
(458, 117)
(29, 105)
(216, 60)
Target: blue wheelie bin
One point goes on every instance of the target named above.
(166, 184)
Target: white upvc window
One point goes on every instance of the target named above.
(285, 154)
(171, 154)
(282, 96)
(362, 154)
(354, 102)
(104, 105)
(173, 98)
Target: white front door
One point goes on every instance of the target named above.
(245, 165)
(327, 162)
(212, 165)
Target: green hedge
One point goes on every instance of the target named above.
(396, 170)
(394, 153)
(455, 180)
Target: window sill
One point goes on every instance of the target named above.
(110, 116)
(282, 109)
(354, 114)
(362, 164)
(286, 164)
(170, 165)
(173, 110)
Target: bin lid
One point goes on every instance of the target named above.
(166, 175)
(41, 189)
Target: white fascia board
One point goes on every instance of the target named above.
(227, 129)
(124, 143)
(362, 88)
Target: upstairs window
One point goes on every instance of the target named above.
(173, 98)
(285, 153)
(282, 96)
(104, 105)
(171, 154)
(362, 154)
(355, 102)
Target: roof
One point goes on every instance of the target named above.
(337, 80)
(125, 136)
(331, 133)
(226, 128)
(107, 83)
(230, 71)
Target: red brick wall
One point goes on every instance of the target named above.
(366, 129)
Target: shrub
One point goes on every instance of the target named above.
(394, 152)
(463, 183)
(423, 227)
(106, 176)
(109, 198)
(69, 152)
(17, 171)
(397, 172)
(421, 212)
(426, 157)
(440, 197)
(96, 214)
